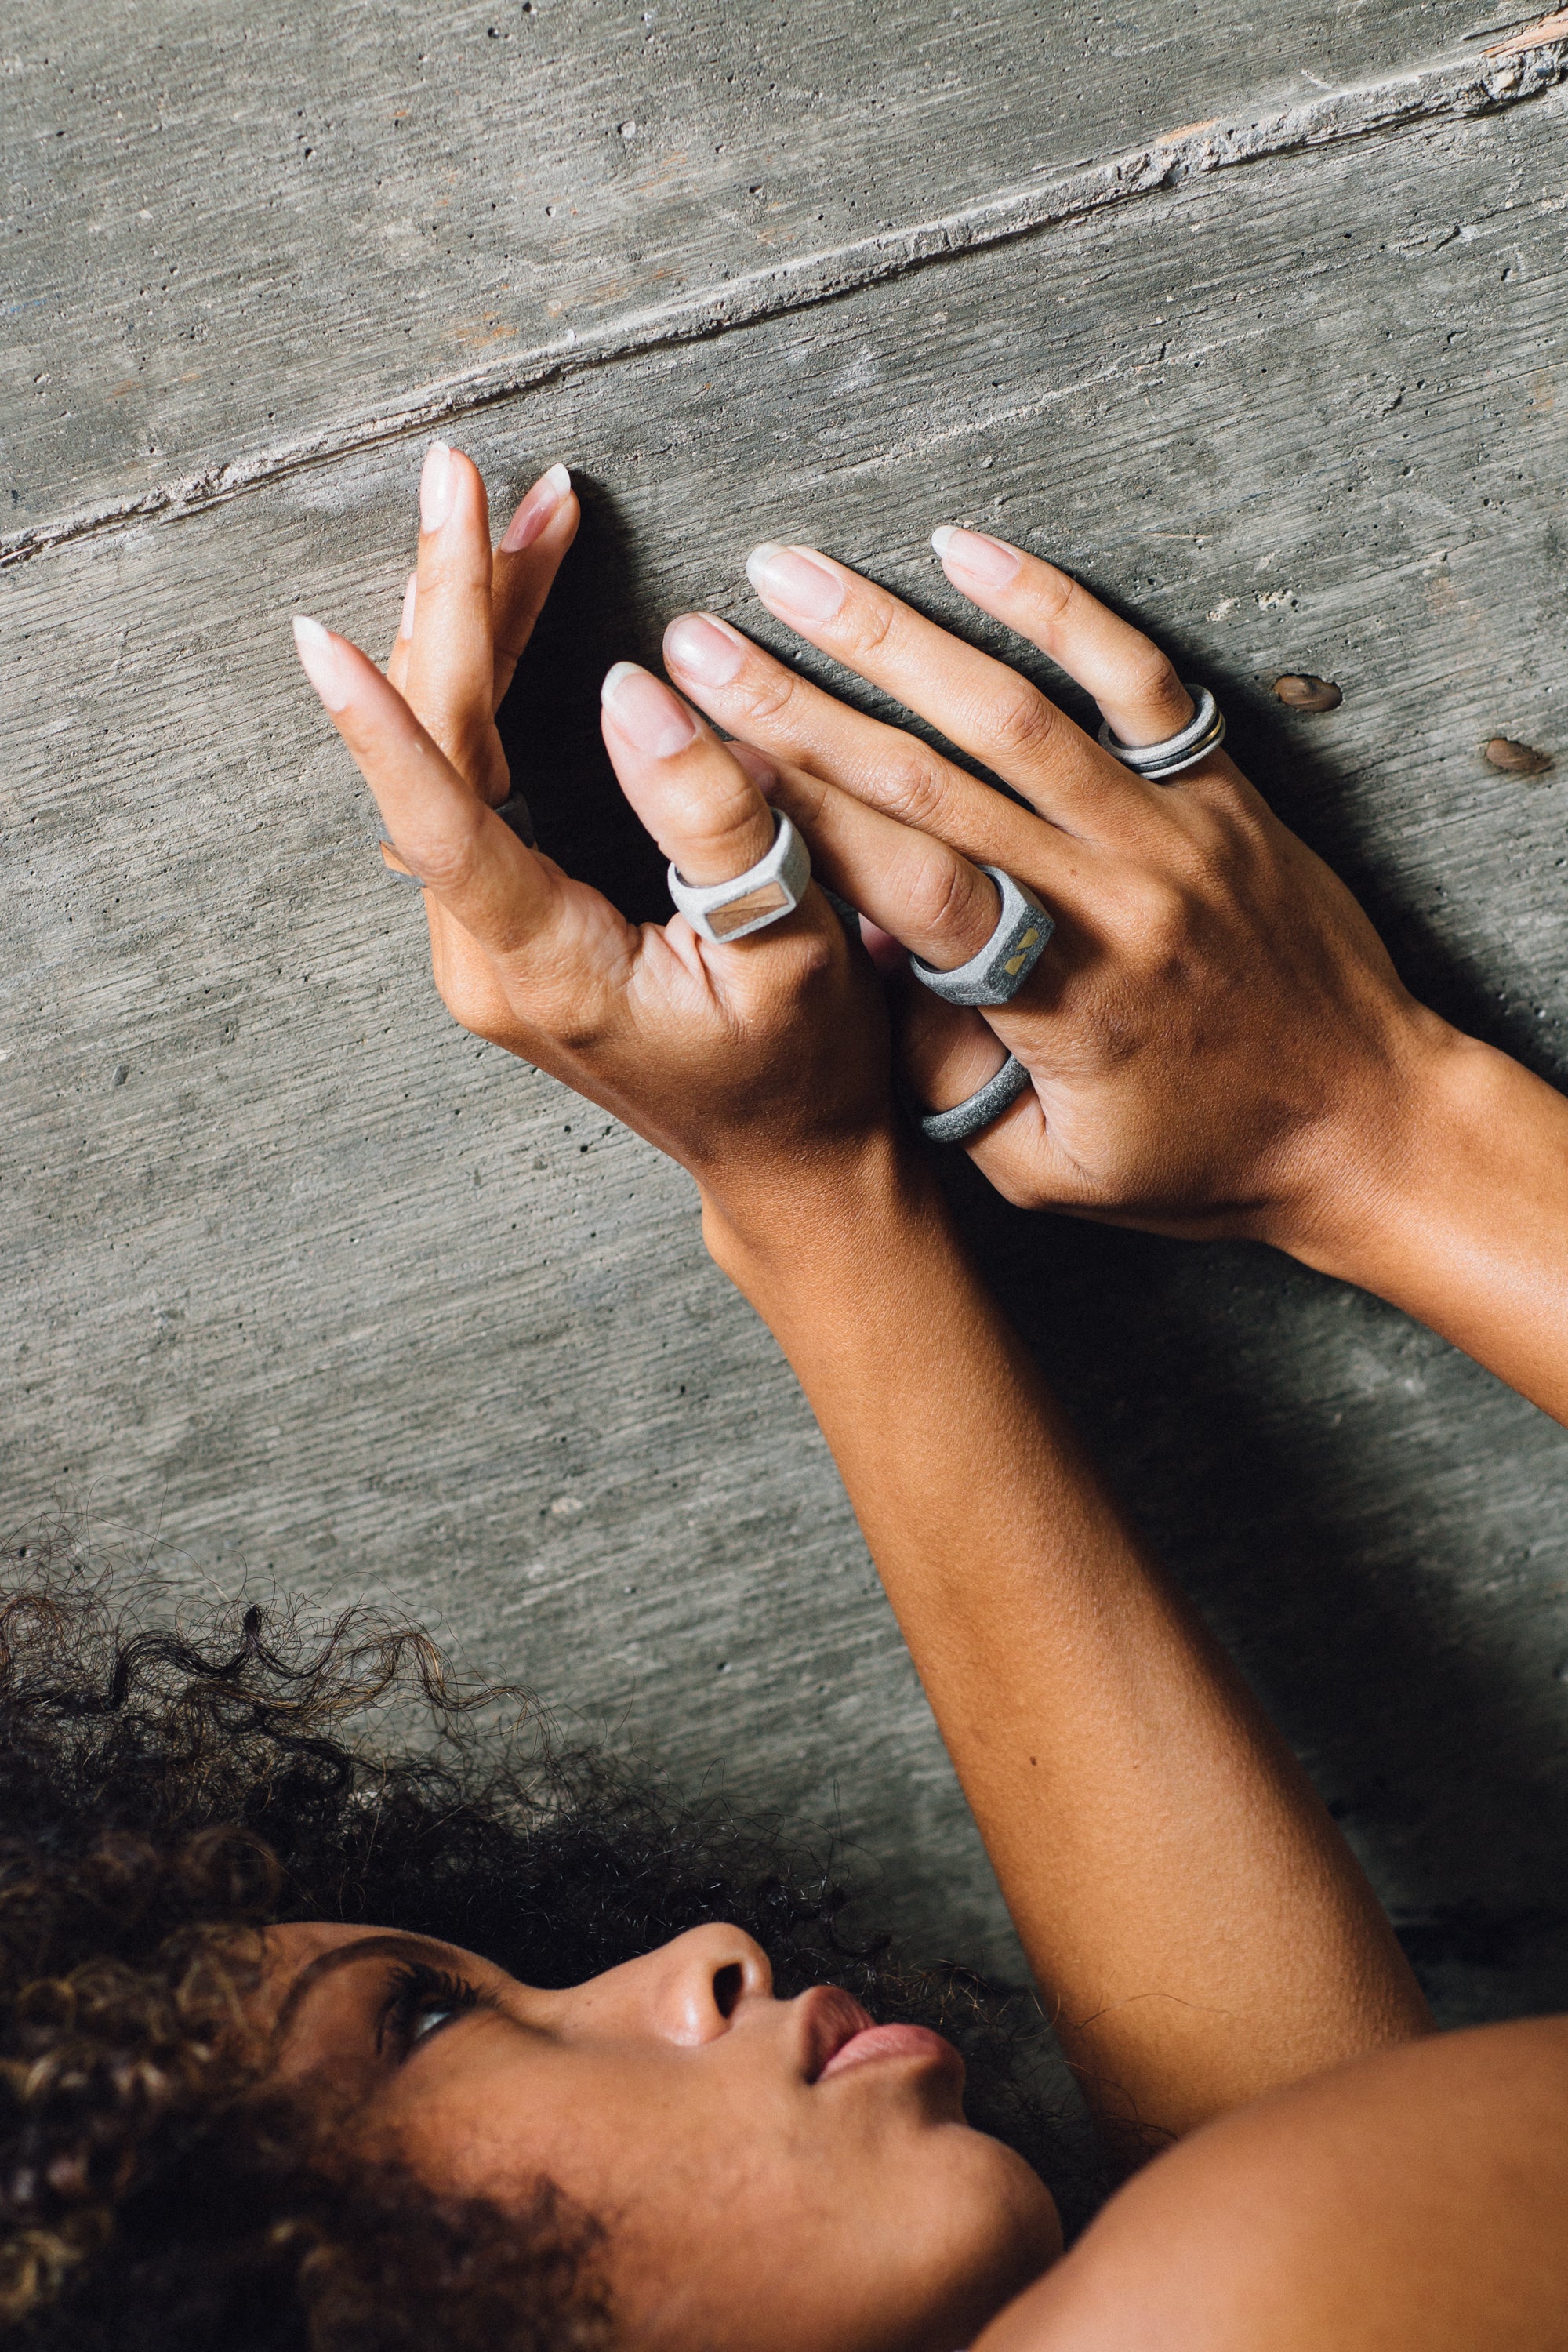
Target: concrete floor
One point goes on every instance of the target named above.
(1260, 331)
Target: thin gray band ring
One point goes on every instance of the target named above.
(1203, 733)
(998, 972)
(513, 811)
(987, 1103)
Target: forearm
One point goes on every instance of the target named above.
(1196, 1922)
(1455, 1207)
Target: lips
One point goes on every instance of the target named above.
(840, 2035)
(831, 2019)
(892, 2041)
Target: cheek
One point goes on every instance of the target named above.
(616, 2135)
(747, 2214)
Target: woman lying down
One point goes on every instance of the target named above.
(305, 2045)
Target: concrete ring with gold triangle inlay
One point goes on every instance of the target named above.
(995, 975)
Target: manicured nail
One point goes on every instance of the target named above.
(536, 510)
(706, 649)
(323, 657)
(797, 580)
(989, 560)
(406, 625)
(757, 765)
(646, 712)
(435, 487)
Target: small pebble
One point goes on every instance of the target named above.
(1515, 758)
(1309, 693)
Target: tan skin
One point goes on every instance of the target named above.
(702, 2119)
(1215, 1033)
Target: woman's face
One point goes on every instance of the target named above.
(772, 2174)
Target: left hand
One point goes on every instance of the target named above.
(1217, 1039)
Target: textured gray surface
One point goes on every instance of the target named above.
(302, 1280)
(224, 223)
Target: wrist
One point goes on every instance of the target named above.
(779, 1229)
(1379, 1157)
(1462, 1219)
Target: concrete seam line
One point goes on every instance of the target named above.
(1519, 72)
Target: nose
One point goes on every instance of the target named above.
(688, 1992)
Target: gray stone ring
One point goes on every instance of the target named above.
(995, 975)
(763, 894)
(1203, 733)
(987, 1103)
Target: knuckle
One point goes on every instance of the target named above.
(815, 958)
(721, 816)
(571, 1027)
(940, 895)
(450, 862)
(553, 1007)
(867, 622)
(1018, 719)
(1159, 911)
(1150, 676)
(765, 694)
(1054, 595)
(913, 787)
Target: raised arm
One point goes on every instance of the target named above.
(1192, 1917)
(1198, 1927)
(1217, 1040)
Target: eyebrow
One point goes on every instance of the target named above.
(345, 1956)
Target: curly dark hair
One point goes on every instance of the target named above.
(167, 1785)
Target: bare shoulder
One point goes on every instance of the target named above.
(1417, 2199)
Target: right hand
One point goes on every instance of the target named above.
(755, 1064)
(1218, 1041)
(744, 1061)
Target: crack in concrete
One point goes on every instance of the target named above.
(1522, 68)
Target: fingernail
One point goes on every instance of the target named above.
(406, 625)
(435, 487)
(704, 648)
(757, 765)
(989, 560)
(799, 581)
(647, 713)
(536, 509)
(322, 656)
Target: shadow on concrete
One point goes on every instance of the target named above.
(550, 720)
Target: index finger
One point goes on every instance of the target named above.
(756, 697)
(506, 897)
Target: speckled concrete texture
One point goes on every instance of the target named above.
(1267, 342)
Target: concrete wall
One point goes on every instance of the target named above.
(303, 1283)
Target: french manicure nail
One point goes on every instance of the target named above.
(704, 648)
(321, 655)
(796, 579)
(646, 712)
(535, 511)
(435, 487)
(406, 625)
(990, 561)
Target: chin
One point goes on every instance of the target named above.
(1003, 2231)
